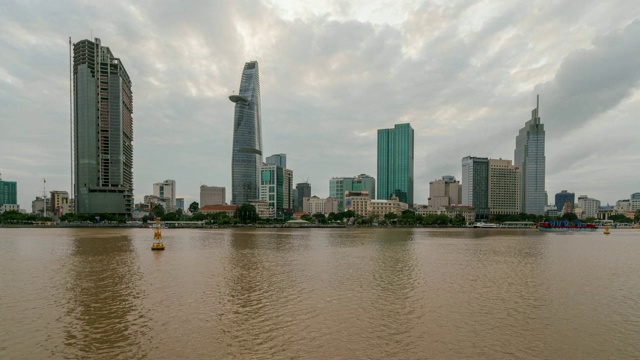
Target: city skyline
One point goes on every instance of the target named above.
(463, 74)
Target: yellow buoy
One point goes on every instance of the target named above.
(157, 236)
(606, 230)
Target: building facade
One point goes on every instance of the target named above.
(475, 185)
(166, 190)
(395, 163)
(504, 187)
(277, 159)
(303, 191)
(565, 201)
(360, 203)
(444, 192)
(180, 204)
(275, 189)
(59, 203)
(8, 192)
(212, 195)
(339, 185)
(589, 207)
(103, 131)
(529, 156)
(314, 205)
(246, 156)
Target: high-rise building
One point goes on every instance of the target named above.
(444, 192)
(303, 191)
(166, 190)
(339, 185)
(212, 195)
(8, 192)
(504, 187)
(529, 157)
(277, 159)
(475, 185)
(565, 201)
(180, 204)
(395, 163)
(103, 131)
(589, 206)
(59, 204)
(246, 157)
(276, 184)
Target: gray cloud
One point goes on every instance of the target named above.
(464, 73)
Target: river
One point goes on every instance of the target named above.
(367, 293)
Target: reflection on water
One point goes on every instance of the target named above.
(319, 294)
(103, 315)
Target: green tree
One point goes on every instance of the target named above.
(307, 217)
(322, 219)
(569, 216)
(194, 207)
(171, 216)
(157, 210)
(390, 216)
(637, 216)
(246, 214)
(620, 218)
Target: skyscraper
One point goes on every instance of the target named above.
(339, 185)
(275, 189)
(103, 131)
(395, 163)
(8, 192)
(444, 192)
(565, 201)
(166, 190)
(475, 185)
(246, 156)
(304, 190)
(504, 187)
(212, 195)
(277, 159)
(529, 157)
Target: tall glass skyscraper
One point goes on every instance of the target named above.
(395, 163)
(529, 157)
(8, 192)
(246, 157)
(103, 131)
(475, 185)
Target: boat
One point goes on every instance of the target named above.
(484, 225)
(560, 226)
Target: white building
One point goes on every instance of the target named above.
(166, 190)
(360, 203)
(9, 207)
(315, 205)
(589, 207)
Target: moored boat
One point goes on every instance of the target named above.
(559, 226)
(484, 225)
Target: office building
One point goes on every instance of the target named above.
(338, 186)
(166, 190)
(180, 204)
(529, 156)
(361, 204)
(475, 185)
(395, 163)
(212, 195)
(59, 203)
(589, 207)
(303, 191)
(275, 188)
(8, 192)
(444, 192)
(246, 156)
(103, 131)
(504, 187)
(277, 159)
(565, 202)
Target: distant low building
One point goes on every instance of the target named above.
(360, 203)
(9, 207)
(315, 205)
(209, 209)
(468, 212)
(263, 209)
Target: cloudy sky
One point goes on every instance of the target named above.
(464, 73)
